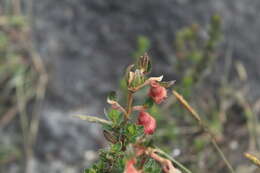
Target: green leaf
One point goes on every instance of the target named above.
(121, 163)
(132, 132)
(116, 147)
(131, 129)
(115, 116)
(112, 96)
(148, 103)
(91, 170)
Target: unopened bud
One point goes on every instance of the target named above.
(157, 92)
(147, 121)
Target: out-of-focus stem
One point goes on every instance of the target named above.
(253, 159)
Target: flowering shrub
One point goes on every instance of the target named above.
(129, 128)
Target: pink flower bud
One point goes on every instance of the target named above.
(150, 128)
(129, 168)
(157, 92)
(147, 121)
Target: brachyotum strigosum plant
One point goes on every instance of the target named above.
(129, 128)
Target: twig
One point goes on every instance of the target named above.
(33, 130)
(24, 121)
(187, 106)
(204, 127)
(93, 119)
(253, 159)
(8, 116)
(39, 96)
(129, 104)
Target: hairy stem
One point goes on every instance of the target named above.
(129, 104)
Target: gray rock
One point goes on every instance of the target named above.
(87, 43)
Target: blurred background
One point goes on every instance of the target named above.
(59, 58)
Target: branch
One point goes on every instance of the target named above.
(253, 159)
(93, 119)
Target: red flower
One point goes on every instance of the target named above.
(157, 92)
(147, 121)
(129, 168)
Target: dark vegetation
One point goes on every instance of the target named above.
(22, 86)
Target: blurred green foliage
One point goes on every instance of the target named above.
(16, 69)
(195, 54)
(19, 79)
